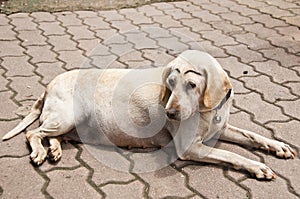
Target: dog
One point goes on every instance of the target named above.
(124, 104)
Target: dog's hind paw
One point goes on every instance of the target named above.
(54, 153)
(38, 155)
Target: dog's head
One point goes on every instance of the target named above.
(197, 83)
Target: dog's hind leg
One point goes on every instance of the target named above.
(34, 138)
(55, 150)
(49, 128)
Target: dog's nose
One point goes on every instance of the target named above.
(172, 113)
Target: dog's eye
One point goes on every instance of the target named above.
(191, 85)
(172, 82)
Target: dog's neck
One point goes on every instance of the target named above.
(217, 118)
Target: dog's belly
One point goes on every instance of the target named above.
(113, 107)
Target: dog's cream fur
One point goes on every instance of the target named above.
(121, 101)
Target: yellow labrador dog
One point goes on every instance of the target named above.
(124, 104)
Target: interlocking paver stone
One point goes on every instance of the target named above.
(208, 46)
(285, 59)
(260, 30)
(89, 45)
(3, 81)
(26, 87)
(276, 12)
(196, 25)
(123, 26)
(277, 72)
(11, 48)
(286, 131)
(43, 17)
(9, 148)
(52, 28)
(227, 27)
(166, 21)
(173, 183)
(64, 183)
(26, 183)
(106, 34)
(256, 42)
(23, 23)
(32, 37)
(62, 42)
(104, 174)
(293, 20)
(41, 54)
(131, 190)
(267, 189)
(244, 53)
(268, 21)
(137, 17)
(80, 32)
(86, 14)
(295, 87)
(286, 42)
(8, 106)
(235, 68)
(68, 19)
(264, 112)
(17, 66)
(236, 18)
(218, 38)
(271, 92)
(155, 31)
(96, 23)
(3, 20)
(206, 16)
(149, 10)
(140, 40)
(290, 31)
(111, 15)
(172, 44)
(252, 41)
(49, 71)
(291, 107)
(220, 188)
(6, 33)
(185, 35)
(72, 59)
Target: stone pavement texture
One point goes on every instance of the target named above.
(256, 41)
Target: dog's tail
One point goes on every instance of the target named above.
(34, 114)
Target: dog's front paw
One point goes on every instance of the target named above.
(38, 155)
(284, 150)
(262, 171)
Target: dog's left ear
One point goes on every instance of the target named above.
(165, 92)
(217, 86)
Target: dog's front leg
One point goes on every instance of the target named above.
(201, 153)
(248, 138)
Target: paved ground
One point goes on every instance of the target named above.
(256, 41)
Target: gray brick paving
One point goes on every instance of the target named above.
(257, 42)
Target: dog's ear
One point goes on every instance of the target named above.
(165, 92)
(166, 72)
(217, 86)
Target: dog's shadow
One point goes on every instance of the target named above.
(73, 140)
